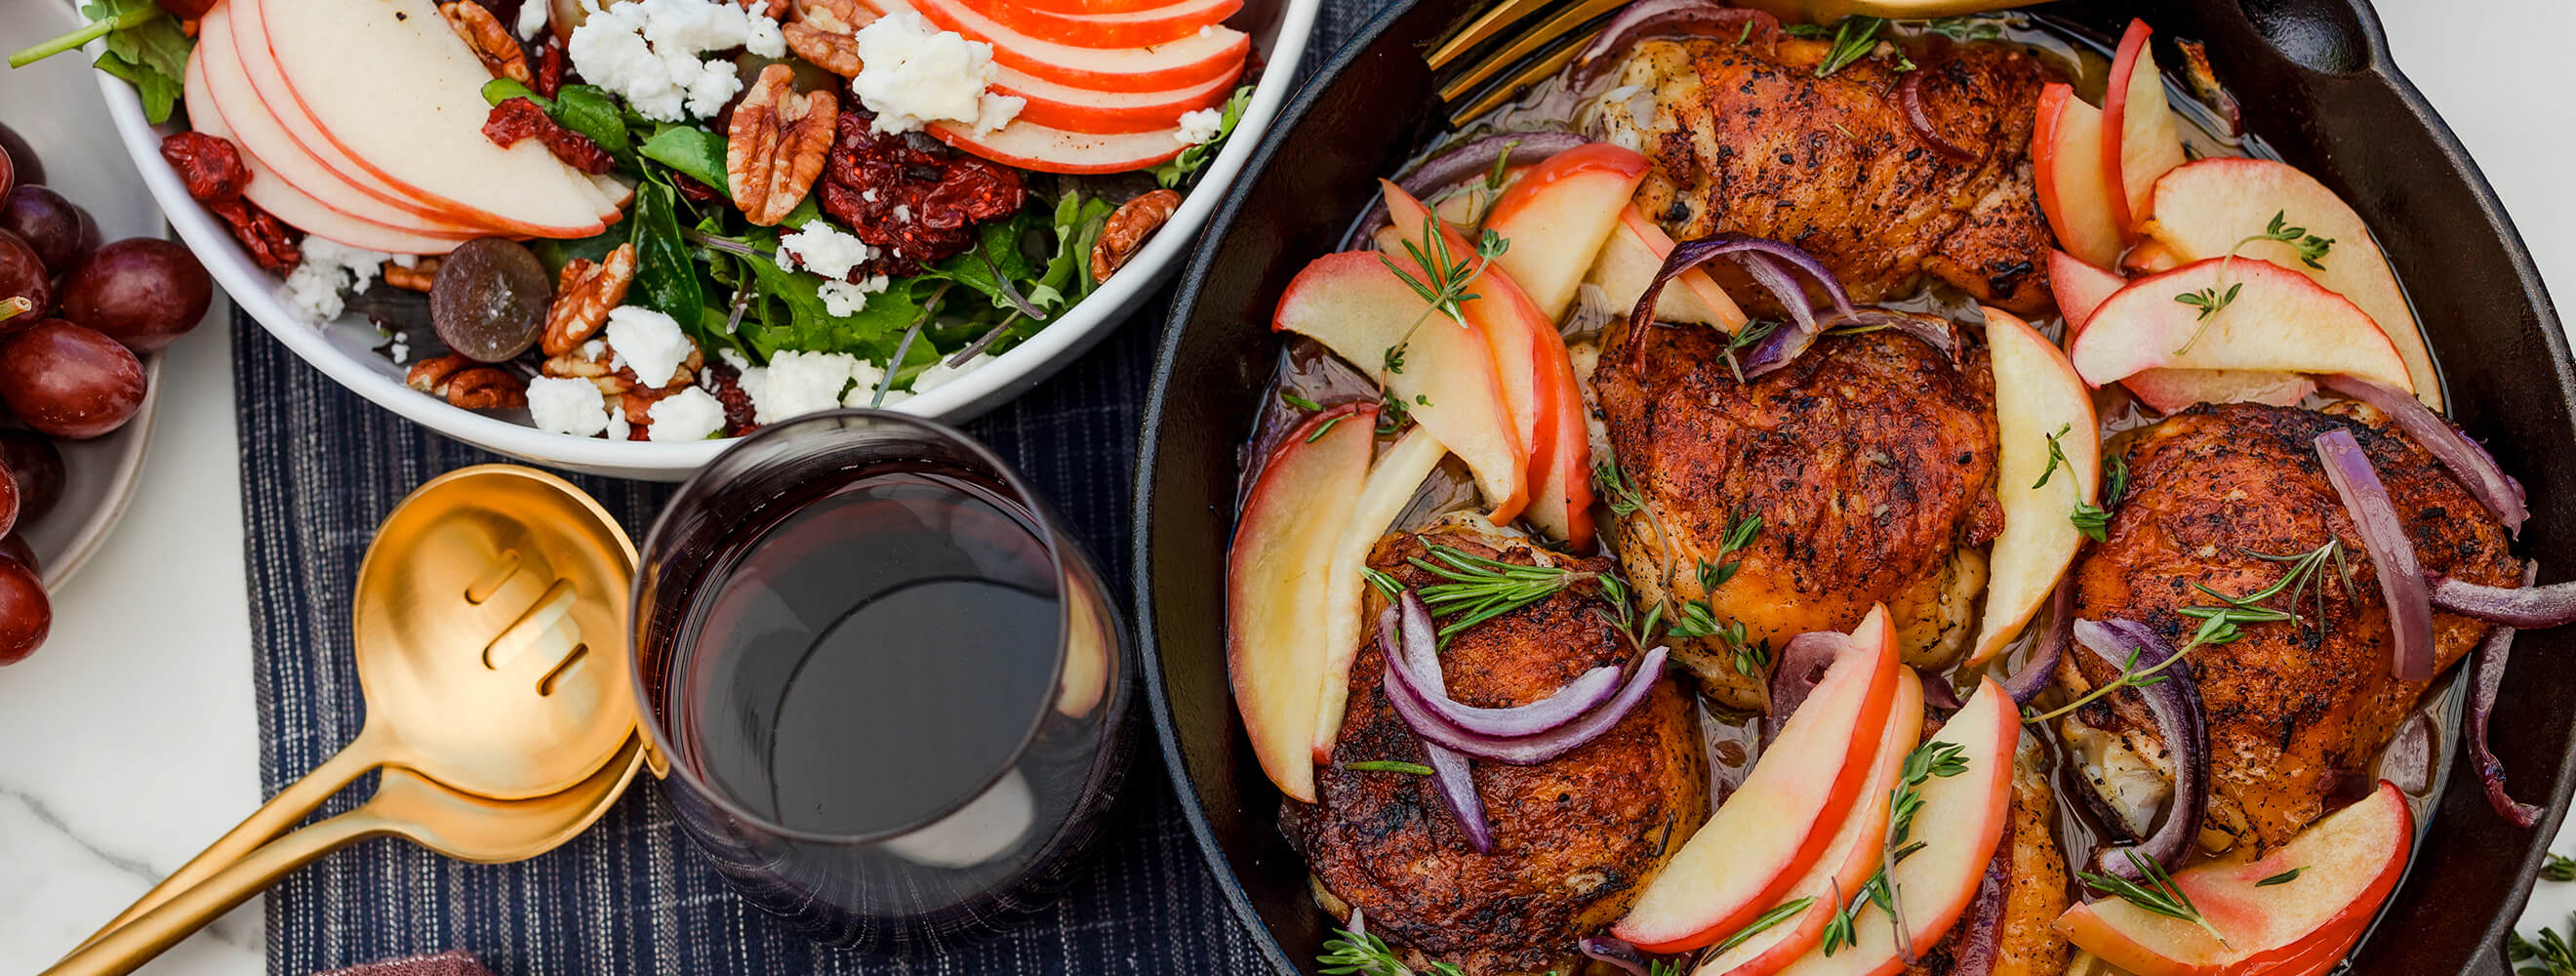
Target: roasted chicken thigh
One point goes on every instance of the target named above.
(1745, 137)
(1575, 838)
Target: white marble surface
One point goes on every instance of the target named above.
(130, 740)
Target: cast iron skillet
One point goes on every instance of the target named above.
(2315, 80)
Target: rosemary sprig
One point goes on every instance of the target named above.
(1386, 586)
(1387, 766)
(1763, 923)
(1965, 28)
(1299, 402)
(2550, 956)
(1325, 428)
(1479, 589)
(1854, 38)
(2158, 894)
(1929, 760)
(2282, 878)
(1364, 954)
(1445, 277)
(1625, 501)
(2303, 579)
(2558, 868)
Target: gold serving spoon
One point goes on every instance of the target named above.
(457, 825)
(490, 617)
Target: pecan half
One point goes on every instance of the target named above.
(491, 42)
(777, 144)
(467, 383)
(575, 366)
(824, 33)
(584, 293)
(1127, 230)
(417, 278)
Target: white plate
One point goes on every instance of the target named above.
(344, 351)
(55, 107)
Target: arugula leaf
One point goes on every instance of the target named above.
(1078, 221)
(791, 315)
(145, 47)
(1177, 170)
(666, 280)
(997, 249)
(688, 149)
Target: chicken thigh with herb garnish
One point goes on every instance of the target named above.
(1575, 839)
(2230, 501)
(1747, 137)
(1861, 473)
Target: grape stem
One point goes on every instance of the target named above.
(14, 306)
(97, 29)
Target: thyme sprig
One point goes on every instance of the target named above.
(1445, 277)
(1743, 338)
(2303, 578)
(1905, 800)
(1364, 954)
(2156, 894)
(1763, 923)
(2211, 301)
(2056, 457)
(2218, 628)
(2095, 520)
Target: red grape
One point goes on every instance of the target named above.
(489, 299)
(69, 381)
(25, 615)
(14, 546)
(8, 171)
(37, 466)
(8, 501)
(57, 228)
(22, 274)
(142, 291)
(22, 156)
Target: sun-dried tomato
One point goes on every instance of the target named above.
(915, 205)
(518, 118)
(738, 410)
(268, 239)
(696, 191)
(210, 166)
(550, 66)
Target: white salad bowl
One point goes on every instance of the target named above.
(345, 350)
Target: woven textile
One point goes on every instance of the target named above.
(321, 467)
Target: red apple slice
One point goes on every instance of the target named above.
(1071, 109)
(1029, 145)
(1959, 824)
(1391, 484)
(2051, 462)
(1188, 61)
(1139, 28)
(1094, 6)
(296, 207)
(2079, 287)
(1629, 258)
(2203, 209)
(1559, 214)
(1277, 573)
(2347, 864)
(1561, 475)
(1776, 826)
(2149, 256)
(2276, 320)
(2067, 167)
(1514, 344)
(1849, 859)
(402, 96)
(2139, 138)
(1353, 304)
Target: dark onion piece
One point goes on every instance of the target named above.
(1456, 785)
(2486, 680)
(1663, 18)
(489, 299)
(2525, 606)
(2469, 462)
(1933, 330)
(2392, 554)
(1585, 693)
(2025, 684)
(1981, 942)
(2180, 722)
(1615, 951)
(1470, 161)
(1909, 96)
(1409, 647)
(1773, 265)
(1937, 692)
(1802, 663)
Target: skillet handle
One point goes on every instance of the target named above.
(2331, 37)
(2489, 961)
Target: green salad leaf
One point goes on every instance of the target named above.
(585, 109)
(144, 46)
(688, 149)
(1078, 220)
(1178, 169)
(666, 279)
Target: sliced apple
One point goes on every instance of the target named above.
(1353, 304)
(2203, 209)
(2068, 170)
(1559, 214)
(2149, 256)
(2079, 287)
(1071, 109)
(294, 206)
(1136, 28)
(1513, 341)
(1777, 825)
(2051, 462)
(1029, 145)
(1561, 475)
(1094, 6)
(2347, 863)
(2277, 319)
(1961, 820)
(1391, 484)
(2171, 390)
(1187, 61)
(1276, 574)
(1629, 258)
(2140, 140)
(1849, 859)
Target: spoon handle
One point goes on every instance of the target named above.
(128, 947)
(264, 824)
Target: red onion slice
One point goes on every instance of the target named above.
(2026, 683)
(2392, 554)
(2486, 673)
(1909, 96)
(2476, 469)
(1422, 671)
(1471, 160)
(2526, 606)
(1457, 788)
(1524, 750)
(1802, 663)
(2173, 698)
(1617, 952)
(1981, 942)
(1937, 692)
(1663, 18)
(1775, 266)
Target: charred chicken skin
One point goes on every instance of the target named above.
(2296, 710)
(1869, 460)
(1745, 138)
(1575, 838)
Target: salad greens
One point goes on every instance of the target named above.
(144, 46)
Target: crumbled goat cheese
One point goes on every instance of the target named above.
(915, 74)
(399, 352)
(864, 392)
(800, 383)
(824, 250)
(649, 343)
(689, 415)
(903, 212)
(843, 299)
(648, 52)
(533, 17)
(941, 374)
(1200, 126)
(592, 349)
(327, 272)
(618, 428)
(567, 405)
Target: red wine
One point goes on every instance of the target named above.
(874, 658)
